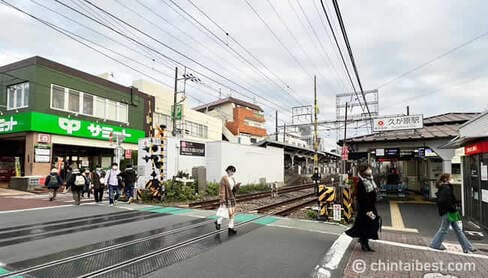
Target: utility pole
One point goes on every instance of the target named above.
(316, 175)
(276, 129)
(408, 110)
(284, 133)
(344, 146)
(174, 102)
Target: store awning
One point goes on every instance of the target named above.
(76, 141)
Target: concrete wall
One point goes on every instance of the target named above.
(252, 162)
(176, 162)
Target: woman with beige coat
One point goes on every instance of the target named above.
(228, 189)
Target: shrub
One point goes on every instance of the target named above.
(253, 188)
(213, 189)
(178, 192)
(312, 214)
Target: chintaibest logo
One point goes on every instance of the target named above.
(69, 125)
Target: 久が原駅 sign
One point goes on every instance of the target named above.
(47, 123)
(398, 123)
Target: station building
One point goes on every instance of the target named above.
(414, 158)
(52, 114)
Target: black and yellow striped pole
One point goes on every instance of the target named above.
(347, 204)
(326, 196)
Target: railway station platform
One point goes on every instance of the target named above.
(150, 241)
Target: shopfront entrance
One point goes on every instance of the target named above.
(476, 183)
(11, 157)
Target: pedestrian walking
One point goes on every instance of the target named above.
(129, 177)
(53, 182)
(88, 183)
(98, 180)
(76, 182)
(113, 183)
(450, 216)
(228, 189)
(367, 222)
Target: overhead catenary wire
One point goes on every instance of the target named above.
(166, 56)
(349, 49)
(214, 36)
(279, 40)
(341, 54)
(287, 86)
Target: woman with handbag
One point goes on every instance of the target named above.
(228, 189)
(450, 216)
(367, 222)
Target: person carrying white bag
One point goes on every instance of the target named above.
(228, 189)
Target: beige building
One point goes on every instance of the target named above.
(194, 125)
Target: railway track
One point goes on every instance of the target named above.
(214, 203)
(286, 207)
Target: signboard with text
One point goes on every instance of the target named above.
(192, 148)
(48, 123)
(398, 123)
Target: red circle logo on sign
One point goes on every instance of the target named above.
(381, 123)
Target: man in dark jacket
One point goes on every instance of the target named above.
(76, 182)
(53, 182)
(129, 177)
(98, 180)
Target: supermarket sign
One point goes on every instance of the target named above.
(398, 123)
(47, 123)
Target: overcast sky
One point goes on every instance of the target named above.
(388, 38)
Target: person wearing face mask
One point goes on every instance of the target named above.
(367, 221)
(112, 182)
(98, 180)
(228, 189)
(446, 203)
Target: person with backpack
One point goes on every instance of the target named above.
(76, 182)
(53, 182)
(113, 183)
(87, 188)
(98, 180)
(129, 177)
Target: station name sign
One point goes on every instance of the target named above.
(192, 148)
(54, 124)
(398, 123)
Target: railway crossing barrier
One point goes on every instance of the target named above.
(326, 196)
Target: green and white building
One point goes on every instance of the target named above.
(50, 112)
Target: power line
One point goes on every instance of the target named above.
(433, 60)
(256, 69)
(278, 39)
(165, 45)
(348, 45)
(340, 52)
(246, 50)
(313, 31)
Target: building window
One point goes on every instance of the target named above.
(196, 130)
(162, 119)
(70, 100)
(88, 104)
(99, 107)
(57, 100)
(111, 113)
(18, 96)
(254, 140)
(74, 101)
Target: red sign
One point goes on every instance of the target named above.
(476, 148)
(128, 154)
(345, 153)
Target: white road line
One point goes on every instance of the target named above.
(333, 257)
(31, 209)
(426, 248)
